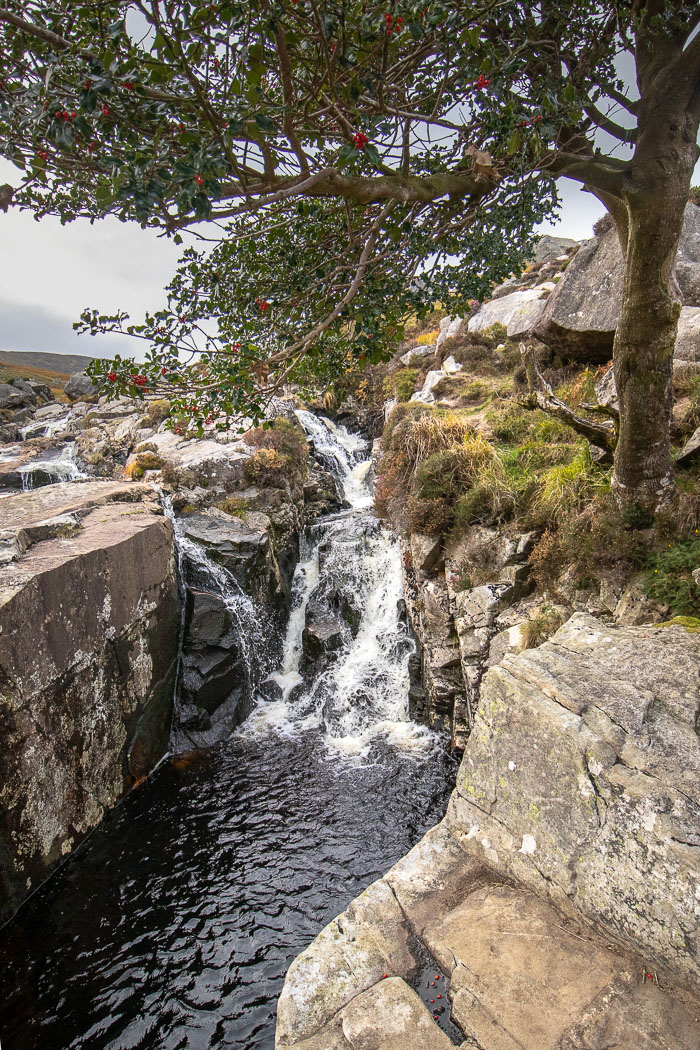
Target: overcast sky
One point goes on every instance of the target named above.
(49, 273)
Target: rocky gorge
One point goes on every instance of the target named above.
(231, 605)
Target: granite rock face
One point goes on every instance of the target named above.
(559, 894)
(582, 781)
(581, 315)
(87, 665)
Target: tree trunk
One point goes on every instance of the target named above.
(643, 360)
(655, 194)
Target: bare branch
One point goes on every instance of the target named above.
(541, 395)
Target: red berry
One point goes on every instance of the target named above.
(164, 371)
(105, 110)
(198, 179)
(482, 82)
(112, 377)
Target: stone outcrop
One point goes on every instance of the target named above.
(79, 386)
(518, 312)
(558, 895)
(89, 619)
(456, 620)
(581, 315)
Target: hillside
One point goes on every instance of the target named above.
(65, 364)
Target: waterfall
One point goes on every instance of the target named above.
(48, 471)
(251, 643)
(347, 587)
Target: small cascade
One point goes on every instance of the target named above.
(343, 453)
(345, 652)
(227, 646)
(49, 471)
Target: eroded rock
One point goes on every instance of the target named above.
(86, 686)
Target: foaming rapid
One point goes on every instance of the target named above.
(348, 577)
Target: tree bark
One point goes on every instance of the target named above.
(655, 193)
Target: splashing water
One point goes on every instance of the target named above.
(362, 694)
(48, 471)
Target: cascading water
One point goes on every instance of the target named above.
(252, 635)
(48, 471)
(349, 563)
(175, 923)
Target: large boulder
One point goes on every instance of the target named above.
(89, 617)
(558, 895)
(687, 350)
(12, 396)
(517, 312)
(549, 248)
(79, 386)
(581, 316)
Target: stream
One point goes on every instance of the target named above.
(175, 922)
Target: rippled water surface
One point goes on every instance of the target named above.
(176, 923)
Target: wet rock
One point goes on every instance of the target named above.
(242, 545)
(80, 386)
(86, 675)
(212, 685)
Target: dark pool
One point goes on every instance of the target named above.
(175, 924)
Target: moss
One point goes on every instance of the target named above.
(156, 412)
(235, 506)
(691, 623)
(402, 384)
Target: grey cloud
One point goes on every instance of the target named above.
(39, 328)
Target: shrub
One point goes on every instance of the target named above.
(427, 338)
(669, 577)
(431, 432)
(429, 516)
(267, 466)
(235, 506)
(402, 384)
(469, 391)
(494, 336)
(589, 543)
(289, 443)
(144, 460)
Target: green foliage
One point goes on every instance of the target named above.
(494, 336)
(402, 384)
(669, 576)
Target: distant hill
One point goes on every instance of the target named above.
(65, 364)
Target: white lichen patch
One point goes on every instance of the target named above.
(529, 845)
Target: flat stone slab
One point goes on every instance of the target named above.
(518, 977)
(27, 508)
(391, 1016)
